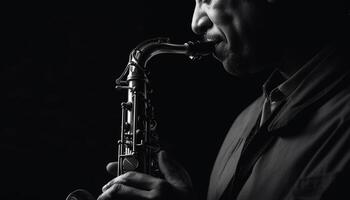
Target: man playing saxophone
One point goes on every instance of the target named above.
(293, 142)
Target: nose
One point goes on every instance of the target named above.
(200, 20)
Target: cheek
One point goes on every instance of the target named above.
(237, 22)
(220, 17)
(245, 21)
(250, 25)
(221, 12)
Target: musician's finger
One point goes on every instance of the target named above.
(120, 191)
(135, 179)
(173, 172)
(112, 168)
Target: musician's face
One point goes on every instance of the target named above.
(245, 29)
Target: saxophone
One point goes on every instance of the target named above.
(139, 143)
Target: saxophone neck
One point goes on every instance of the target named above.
(139, 56)
(150, 48)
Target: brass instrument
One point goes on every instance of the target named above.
(138, 144)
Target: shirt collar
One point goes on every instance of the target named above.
(277, 87)
(271, 87)
(325, 73)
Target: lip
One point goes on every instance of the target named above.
(213, 38)
(219, 49)
(219, 42)
(216, 40)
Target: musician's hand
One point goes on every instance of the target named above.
(133, 185)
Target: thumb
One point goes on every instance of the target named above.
(112, 168)
(173, 172)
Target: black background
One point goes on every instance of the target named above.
(60, 113)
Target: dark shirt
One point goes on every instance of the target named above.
(278, 87)
(309, 153)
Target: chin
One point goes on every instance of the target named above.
(236, 66)
(245, 67)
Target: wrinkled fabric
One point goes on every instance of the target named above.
(310, 155)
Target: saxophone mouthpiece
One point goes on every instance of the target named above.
(198, 49)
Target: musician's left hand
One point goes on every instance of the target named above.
(134, 185)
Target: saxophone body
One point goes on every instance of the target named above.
(138, 144)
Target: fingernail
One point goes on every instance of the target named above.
(105, 187)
